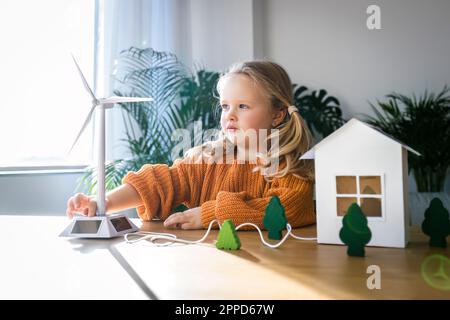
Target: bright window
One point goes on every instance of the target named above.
(365, 190)
(43, 103)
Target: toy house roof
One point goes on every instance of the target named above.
(310, 153)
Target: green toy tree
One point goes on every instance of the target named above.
(228, 238)
(436, 224)
(274, 219)
(354, 232)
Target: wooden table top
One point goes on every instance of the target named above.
(296, 270)
(37, 264)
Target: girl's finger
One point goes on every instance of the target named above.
(70, 204)
(79, 212)
(69, 213)
(171, 223)
(175, 219)
(187, 226)
(92, 208)
(76, 201)
(173, 216)
(81, 200)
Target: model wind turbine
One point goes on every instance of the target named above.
(100, 226)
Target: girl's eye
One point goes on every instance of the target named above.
(226, 106)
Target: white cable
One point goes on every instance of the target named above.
(298, 237)
(288, 226)
(155, 236)
(143, 235)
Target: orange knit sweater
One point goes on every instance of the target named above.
(223, 191)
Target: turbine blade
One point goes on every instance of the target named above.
(86, 85)
(86, 122)
(116, 99)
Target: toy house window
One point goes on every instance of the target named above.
(365, 190)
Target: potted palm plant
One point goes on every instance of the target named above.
(423, 123)
(180, 99)
(321, 111)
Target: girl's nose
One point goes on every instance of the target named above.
(231, 114)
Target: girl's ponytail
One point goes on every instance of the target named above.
(294, 139)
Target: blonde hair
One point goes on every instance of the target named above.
(294, 137)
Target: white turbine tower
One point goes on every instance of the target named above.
(100, 226)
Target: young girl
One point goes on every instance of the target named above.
(256, 96)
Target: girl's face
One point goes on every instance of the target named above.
(245, 108)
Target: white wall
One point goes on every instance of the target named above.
(326, 44)
(222, 32)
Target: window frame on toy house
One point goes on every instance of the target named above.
(359, 195)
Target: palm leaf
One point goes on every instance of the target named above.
(180, 98)
(423, 123)
(321, 112)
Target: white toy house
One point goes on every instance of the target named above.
(358, 163)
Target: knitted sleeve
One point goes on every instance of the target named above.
(160, 187)
(295, 194)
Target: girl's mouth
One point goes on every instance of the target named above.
(231, 128)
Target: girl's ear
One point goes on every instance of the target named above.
(278, 116)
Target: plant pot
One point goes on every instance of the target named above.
(420, 201)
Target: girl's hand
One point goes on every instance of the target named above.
(189, 219)
(84, 204)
